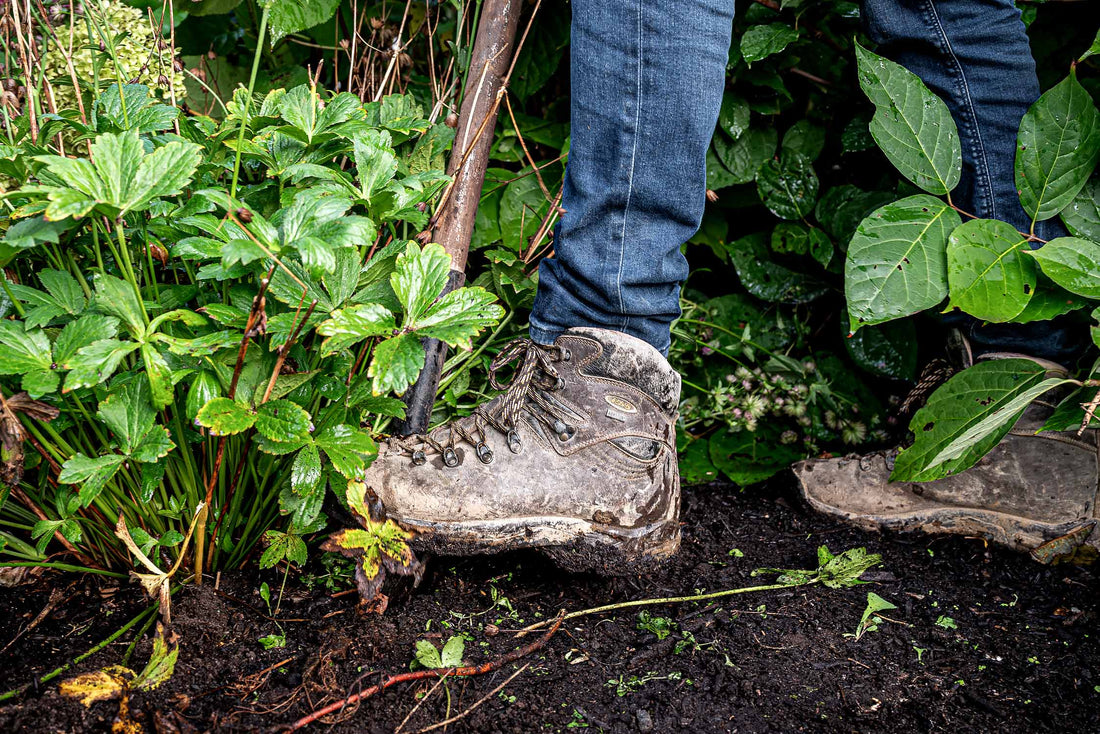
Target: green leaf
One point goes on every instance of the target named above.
(1082, 216)
(80, 333)
(459, 316)
(23, 351)
(346, 448)
(805, 138)
(428, 655)
(225, 417)
(352, 325)
(159, 375)
(375, 162)
(143, 113)
(1057, 149)
(396, 365)
(154, 446)
(988, 274)
(1049, 301)
(204, 388)
(912, 126)
(744, 157)
(118, 298)
(419, 278)
(40, 382)
(1072, 263)
(962, 402)
(452, 652)
(305, 474)
(767, 280)
(91, 474)
(889, 350)
(282, 420)
(28, 233)
(1093, 50)
(897, 262)
(733, 118)
(96, 362)
(291, 16)
(761, 41)
(117, 158)
(128, 412)
(64, 288)
(788, 186)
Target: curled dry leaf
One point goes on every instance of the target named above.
(157, 583)
(12, 433)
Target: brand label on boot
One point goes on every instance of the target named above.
(620, 407)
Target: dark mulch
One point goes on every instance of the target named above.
(1021, 650)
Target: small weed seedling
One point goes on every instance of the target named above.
(946, 622)
(273, 640)
(870, 620)
(662, 627)
(429, 656)
(624, 685)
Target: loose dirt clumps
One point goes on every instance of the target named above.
(981, 640)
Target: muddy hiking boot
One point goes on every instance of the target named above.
(577, 458)
(1035, 491)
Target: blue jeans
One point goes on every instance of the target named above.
(647, 80)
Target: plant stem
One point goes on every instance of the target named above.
(248, 100)
(64, 567)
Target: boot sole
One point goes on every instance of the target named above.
(572, 544)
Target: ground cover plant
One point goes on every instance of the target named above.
(215, 283)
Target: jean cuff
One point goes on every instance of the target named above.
(543, 336)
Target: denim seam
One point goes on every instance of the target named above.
(625, 320)
(964, 87)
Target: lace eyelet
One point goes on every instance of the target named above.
(419, 458)
(450, 457)
(514, 444)
(560, 384)
(484, 453)
(566, 355)
(566, 432)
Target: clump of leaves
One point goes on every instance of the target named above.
(833, 571)
(431, 657)
(378, 547)
(662, 627)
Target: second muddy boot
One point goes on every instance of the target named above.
(577, 457)
(1035, 491)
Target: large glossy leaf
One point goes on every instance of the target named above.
(291, 16)
(897, 262)
(912, 126)
(733, 118)
(90, 473)
(761, 41)
(346, 448)
(1082, 216)
(788, 186)
(960, 404)
(1057, 149)
(1072, 263)
(459, 316)
(305, 473)
(743, 157)
(989, 276)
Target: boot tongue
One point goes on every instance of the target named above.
(628, 359)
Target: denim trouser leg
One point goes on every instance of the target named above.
(647, 80)
(975, 55)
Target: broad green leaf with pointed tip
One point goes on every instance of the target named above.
(396, 365)
(128, 412)
(352, 325)
(988, 274)
(204, 388)
(291, 16)
(282, 420)
(1082, 216)
(459, 316)
(452, 652)
(1093, 50)
(159, 375)
(427, 655)
(92, 474)
(1057, 149)
(897, 260)
(744, 157)
(225, 417)
(788, 186)
(96, 362)
(117, 158)
(419, 277)
(912, 126)
(64, 288)
(305, 473)
(1050, 301)
(761, 41)
(375, 162)
(958, 405)
(117, 298)
(345, 446)
(1072, 263)
(154, 445)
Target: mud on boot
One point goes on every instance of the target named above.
(577, 458)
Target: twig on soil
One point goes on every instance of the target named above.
(483, 699)
(56, 597)
(459, 672)
(419, 703)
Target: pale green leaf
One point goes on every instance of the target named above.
(346, 447)
(23, 351)
(419, 278)
(375, 162)
(91, 474)
(291, 16)
(282, 420)
(128, 412)
(154, 445)
(452, 652)
(351, 325)
(96, 362)
(118, 298)
(117, 159)
(164, 172)
(396, 365)
(225, 417)
(897, 260)
(459, 316)
(80, 333)
(988, 274)
(64, 288)
(1072, 263)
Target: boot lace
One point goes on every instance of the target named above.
(534, 376)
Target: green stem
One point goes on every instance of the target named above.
(64, 567)
(77, 660)
(248, 100)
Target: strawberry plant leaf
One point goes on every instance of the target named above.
(961, 403)
(225, 417)
(128, 412)
(396, 364)
(349, 326)
(23, 351)
(80, 333)
(452, 652)
(988, 274)
(282, 420)
(427, 655)
(92, 474)
(1057, 149)
(419, 278)
(375, 162)
(346, 448)
(96, 362)
(118, 298)
(63, 287)
(911, 125)
(459, 316)
(897, 260)
(305, 473)
(154, 445)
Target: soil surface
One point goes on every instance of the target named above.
(981, 640)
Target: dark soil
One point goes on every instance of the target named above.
(982, 640)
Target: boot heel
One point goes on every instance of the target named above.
(619, 553)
